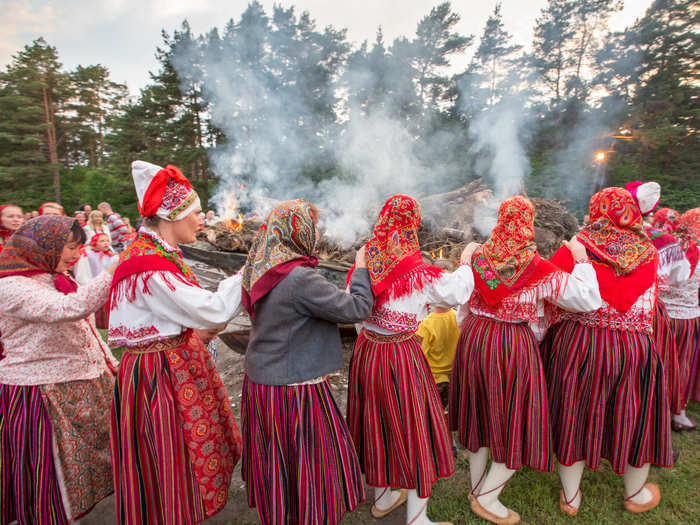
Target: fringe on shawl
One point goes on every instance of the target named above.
(125, 290)
(670, 254)
(412, 281)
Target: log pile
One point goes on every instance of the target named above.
(449, 223)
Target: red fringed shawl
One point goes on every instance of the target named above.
(680, 227)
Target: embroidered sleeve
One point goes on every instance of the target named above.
(191, 306)
(452, 289)
(578, 292)
(31, 300)
(678, 272)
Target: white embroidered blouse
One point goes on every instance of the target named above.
(681, 301)
(404, 314)
(46, 335)
(170, 306)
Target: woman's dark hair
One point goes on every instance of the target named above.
(151, 222)
(77, 234)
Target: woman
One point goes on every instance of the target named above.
(498, 397)
(10, 220)
(680, 299)
(394, 410)
(691, 221)
(55, 380)
(99, 257)
(95, 224)
(51, 208)
(299, 462)
(607, 391)
(174, 439)
(81, 218)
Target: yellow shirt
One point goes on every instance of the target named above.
(440, 334)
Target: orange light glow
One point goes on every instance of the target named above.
(600, 156)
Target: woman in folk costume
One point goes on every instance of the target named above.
(607, 392)
(691, 221)
(394, 409)
(674, 270)
(681, 303)
(55, 381)
(299, 461)
(100, 256)
(498, 399)
(10, 219)
(174, 439)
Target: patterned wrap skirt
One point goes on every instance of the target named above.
(55, 464)
(174, 438)
(395, 414)
(686, 333)
(299, 462)
(608, 398)
(498, 396)
(666, 347)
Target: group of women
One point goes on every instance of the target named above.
(556, 359)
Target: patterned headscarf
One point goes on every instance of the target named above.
(36, 248)
(394, 261)
(691, 220)
(508, 260)
(670, 221)
(285, 240)
(624, 258)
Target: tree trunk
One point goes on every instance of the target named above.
(51, 138)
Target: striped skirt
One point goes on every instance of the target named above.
(693, 390)
(666, 347)
(395, 415)
(498, 397)
(686, 334)
(174, 439)
(299, 462)
(608, 398)
(55, 464)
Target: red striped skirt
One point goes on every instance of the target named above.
(498, 397)
(55, 464)
(686, 334)
(608, 398)
(299, 462)
(693, 390)
(666, 347)
(174, 438)
(396, 417)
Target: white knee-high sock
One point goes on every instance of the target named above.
(571, 481)
(634, 479)
(477, 468)
(416, 510)
(492, 486)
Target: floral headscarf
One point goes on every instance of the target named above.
(285, 240)
(36, 248)
(394, 261)
(691, 221)
(680, 226)
(623, 256)
(508, 260)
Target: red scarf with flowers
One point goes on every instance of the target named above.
(140, 261)
(622, 255)
(396, 268)
(285, 240)
(671, 222)
(508, 261)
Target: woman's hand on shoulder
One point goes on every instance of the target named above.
(578, 250)
(360, 260)
(469, 249)
(113, 267)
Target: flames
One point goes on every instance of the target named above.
(235, 223)
(437, 254)
(233, 219)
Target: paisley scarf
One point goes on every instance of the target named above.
(285, 240)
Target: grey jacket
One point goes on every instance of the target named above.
(295, 336)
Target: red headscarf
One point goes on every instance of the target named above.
(153, 198)
(36, 248)
(51, 204)
(93, 245)
(394, 261)
(691, 220)
(671, 222)
(508, 261)
(285, 240)
(622, 255)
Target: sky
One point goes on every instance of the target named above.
(123, 34)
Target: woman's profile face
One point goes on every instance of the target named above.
(69, 256)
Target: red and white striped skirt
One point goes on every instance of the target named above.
(498, 397)
(395, 414)
(299, 462)
(607, 397)
(693, 390)
(666, 347)
(686, 333)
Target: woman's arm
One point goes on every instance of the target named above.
(578, 291)
(452, 289)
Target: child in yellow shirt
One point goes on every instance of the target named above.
(440, 333)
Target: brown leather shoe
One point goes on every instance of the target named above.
(636, 508)
(511, 519)
(564, 505)
(377, 513)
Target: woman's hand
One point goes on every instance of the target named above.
(112, 267)
(360, 260)
(469, 249)
(578, 250)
